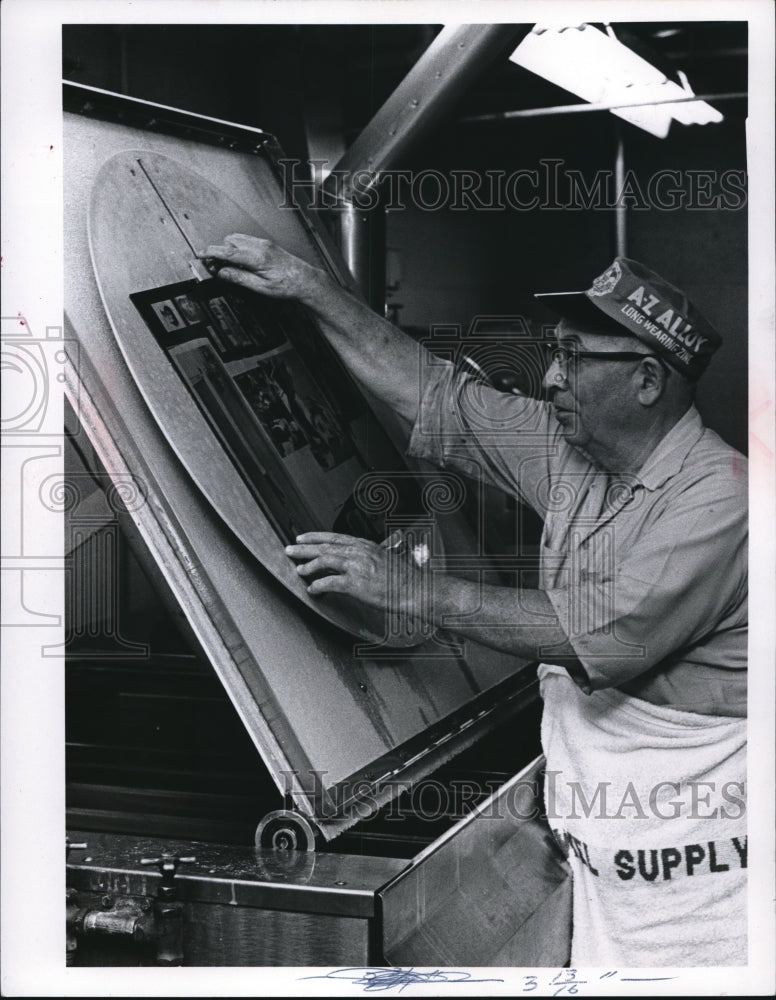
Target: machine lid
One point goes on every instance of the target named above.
(342, 727)
(251, 399)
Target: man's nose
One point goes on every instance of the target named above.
(554, 377)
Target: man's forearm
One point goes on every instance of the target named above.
(382, 357)
(519, 621)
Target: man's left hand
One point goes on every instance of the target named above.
(383, 576)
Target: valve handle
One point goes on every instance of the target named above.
(167, 865)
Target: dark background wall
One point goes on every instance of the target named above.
(316, 86)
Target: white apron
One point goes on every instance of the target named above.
(649, 805)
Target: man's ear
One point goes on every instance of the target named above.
(651, 381)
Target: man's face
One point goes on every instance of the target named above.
(594, 399)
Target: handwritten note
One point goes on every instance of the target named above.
(377, 979)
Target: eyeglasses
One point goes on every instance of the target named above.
(567, 358)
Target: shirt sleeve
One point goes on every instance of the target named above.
(503, 439)
(684, 579)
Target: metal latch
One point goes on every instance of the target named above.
(167, 911)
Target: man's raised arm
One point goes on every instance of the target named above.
(384, 359)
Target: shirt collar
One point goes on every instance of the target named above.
(668, 457)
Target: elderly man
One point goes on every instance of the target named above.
(640, 618)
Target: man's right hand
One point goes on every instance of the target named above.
(264, 267)
(381, 357)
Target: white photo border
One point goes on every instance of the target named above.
(33, 873)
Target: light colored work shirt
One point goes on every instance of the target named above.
(646, 572)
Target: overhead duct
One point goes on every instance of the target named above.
(428, 92)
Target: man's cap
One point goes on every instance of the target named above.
(647, 306)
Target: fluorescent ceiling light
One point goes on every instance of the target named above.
(598, 68)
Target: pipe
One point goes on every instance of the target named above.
(572, 109)
(620, 209)
(361, 237)
(425, 95)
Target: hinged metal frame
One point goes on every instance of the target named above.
(335, 807)
(92, 102)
